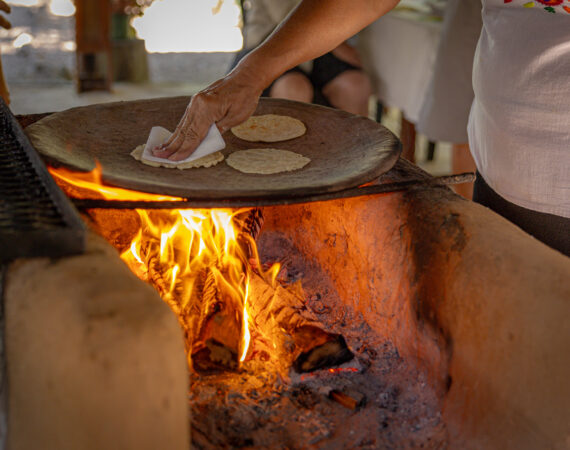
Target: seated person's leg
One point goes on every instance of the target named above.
(349, 91)
(292, 85)
(341, 81)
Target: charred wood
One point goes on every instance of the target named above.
(333, 350)
(277, 311)
(218, 333)
(249, 222)
(210, 319)
(350, 399)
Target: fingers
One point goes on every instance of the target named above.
(227, 102)
(4, 6)
(233, 118)
(4, 23)
(182, 144)
(191, 130)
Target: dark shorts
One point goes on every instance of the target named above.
(553, 230)
(325, 69)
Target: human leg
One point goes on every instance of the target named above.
(293, 85)
(349, 91)
(341, 84)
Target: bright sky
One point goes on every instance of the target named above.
(169, 25)
(21, 35)
(190, 26)
(63, 8)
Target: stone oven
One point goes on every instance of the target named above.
(457, 321)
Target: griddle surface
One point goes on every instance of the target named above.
(345, 150)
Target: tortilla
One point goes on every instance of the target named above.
(269, 128)
(266, 161)
(206, 161)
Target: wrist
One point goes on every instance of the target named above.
(260, 69)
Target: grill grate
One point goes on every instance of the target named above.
(36, 218)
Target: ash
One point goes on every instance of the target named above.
(377, 400)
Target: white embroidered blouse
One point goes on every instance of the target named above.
(519, 127)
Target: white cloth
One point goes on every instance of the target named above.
(399, 53)
(519, 127)
(262, 16)
(447, 102)
(213, 142)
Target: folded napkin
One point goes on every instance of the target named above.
(213, 142)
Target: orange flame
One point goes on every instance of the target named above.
(92, 183)
(181, 243)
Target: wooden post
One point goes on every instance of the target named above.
(7, 25)
(408, 138)
(92, 35)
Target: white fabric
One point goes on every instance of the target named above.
(262, 16)
(399, 55)
(447, 102)
(213, 142)
(519, 128)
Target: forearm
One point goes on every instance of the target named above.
(312, 29)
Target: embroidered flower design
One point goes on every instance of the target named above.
(551, 6)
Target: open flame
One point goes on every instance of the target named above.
(185, 253)
(179, 244)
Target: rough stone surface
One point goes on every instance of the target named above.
(479, 304)
(95, 358)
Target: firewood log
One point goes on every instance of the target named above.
(277, 311)
(249, 222)
(217, 336)
(211, 316)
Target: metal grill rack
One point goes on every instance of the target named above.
(36, 218)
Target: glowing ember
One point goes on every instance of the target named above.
(199, 261)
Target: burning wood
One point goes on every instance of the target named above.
(211, 321)
(209, 301)
(194, 260)
(249, 224)
(217, 334)
(280, 313)
(218, 329)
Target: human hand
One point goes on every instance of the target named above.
(227, 102)
(3, 21)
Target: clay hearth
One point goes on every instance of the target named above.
(474, 308)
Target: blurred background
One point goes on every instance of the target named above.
(150, 49)
(60, 54)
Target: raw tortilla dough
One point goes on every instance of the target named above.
(269, 128)
(266, 160)
(206, 161)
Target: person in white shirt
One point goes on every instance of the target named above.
(519, 127)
